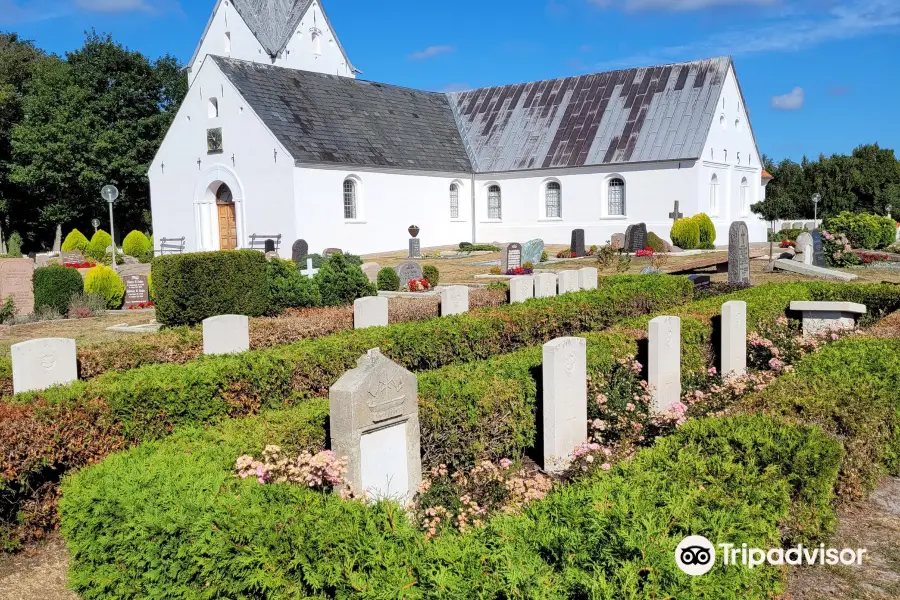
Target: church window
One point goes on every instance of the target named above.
(616, 197)
(494, 206)
(745, 197)
(454, 201)
(227, 42)
(714, 195)
(349, 199)
(213, 108)
(553, 200)
(316, 41)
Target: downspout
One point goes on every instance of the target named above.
(474, 237)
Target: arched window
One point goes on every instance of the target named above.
(714, 195)
(454, 201)
(494, 211)
(349, 199)
(616, 197)
(224, 195)
(227, 42)
(745, 196)
(553, 200)
(213, 108)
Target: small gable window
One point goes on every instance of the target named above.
(227, 42)
(616, 197)
(454, 201)
(714, 195)
(213, 108)
(494, 206)
(349, 199)
(745, 196)
(553, 200)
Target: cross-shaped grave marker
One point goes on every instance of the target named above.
(675, 215)
(309, 272)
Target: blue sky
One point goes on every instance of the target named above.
(819, 76)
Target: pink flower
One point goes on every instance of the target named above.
(712, 371)
(629, 407)
(505, 463)
(606, 466)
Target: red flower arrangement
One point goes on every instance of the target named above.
(81, 265)
(418, 285)
(868, 258)
(520, 271)
(787, 244)
(646, 252)
(140, 305)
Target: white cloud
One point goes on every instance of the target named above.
(431, 52)
(793, 100)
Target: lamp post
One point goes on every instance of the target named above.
(96, 224)
(816, 198)
(110, 193)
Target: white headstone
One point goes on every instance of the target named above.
(804, 248)
(568, 282)
(521, 289)
(374, 418)
(587, 278)
(371, 311)
(226, 334)
(565, 400)
(734, 339)
(665, 363)
(43, 363)
(544, 285)
(454, 300)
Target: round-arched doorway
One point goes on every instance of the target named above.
(228, 238)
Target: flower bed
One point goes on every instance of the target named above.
(140, 305)
(81, 265)
(418, 285)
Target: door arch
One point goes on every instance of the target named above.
(206, 208)
(228, 236)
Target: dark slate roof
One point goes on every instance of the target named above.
(323, 118)
(636, 115)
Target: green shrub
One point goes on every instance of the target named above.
(103, 281)
(341, 282)
(136, 244)
(388, 280)
(431, 275)
(785, 234)
(707, 231)
(14, 245)
(686, 234)
(318, 261)
(864, 230)
(54, 286)
(287, 288)
(75, 241)
(192, 287)
(470, 247)
(99, 243)
(656, 242)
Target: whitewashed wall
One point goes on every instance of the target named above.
(182, 192)
(301, 52)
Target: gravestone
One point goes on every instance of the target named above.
(72, 257)
(564, 401)
(738, 253)
(804, 249)
(676, 214)
(328, 252)
(568, 281)
(415, 248)
(371, 311)
(269, 247)
(299, 252)
(587, 278)
(617, 241)
(407, 272)
(511, 257)
(532, 251)
(43, 363)
(309, 272)
(701, 282)
(822, 317)
(226, 334)
(521, 288)
(374, 421)
(818, 255)
(577, 246)
(136, 290)
(454, 300)
(15, 282)
(734, 339)
(636, 237)
(371, 270)
(544, 285)
(57, 241)
(664, 368)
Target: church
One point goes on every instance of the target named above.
(278, 139)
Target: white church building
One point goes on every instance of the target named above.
(277, 136)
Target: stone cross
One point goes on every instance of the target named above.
(738, 253)
(564, 424)
(454, 300)
(734, 339)
(371, 311)
(521, 288)
(675, 214)
(587, 278)
(374, 420)
(664, 368)
(226, 334)
(43, 363)
(568, 281)
(309, 272)
(544, 285)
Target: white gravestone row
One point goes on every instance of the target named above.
(370, 312)
(587, 278)
(565, 415)
(454, 300)
(226, 334)
(544, 285)
(568, 281)
(521, 289)
(43, 363)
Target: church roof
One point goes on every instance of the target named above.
(635, 115)
(322, 118)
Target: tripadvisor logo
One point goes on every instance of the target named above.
(696, 555)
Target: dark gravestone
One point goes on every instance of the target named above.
(738, 253)
(700, 281)
(328, 252)
(299, 251)
(136, 290)
(636, 237)
(577, 246)
(269, 246)
(72, 257)
(407, 272)
(511, 257)
(415, 248)
(818, 250)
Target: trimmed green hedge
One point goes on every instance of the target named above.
(864, 230)
(192, 287)
(54, 286)
(169, 519)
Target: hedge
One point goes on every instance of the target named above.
(864, 230)
(54, 286)
(169, 519)
(192, 287)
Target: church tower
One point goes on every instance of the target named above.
(295, 34)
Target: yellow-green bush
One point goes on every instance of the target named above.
(75, 241)
(96, 249)
(707, 231)
(102, 280)
(686, 234)
(136, 244)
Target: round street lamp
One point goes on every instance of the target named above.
(96, 224)
(816, 199)
(110, 193)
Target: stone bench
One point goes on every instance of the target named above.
(822, 316)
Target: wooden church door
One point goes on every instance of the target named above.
(227, 219)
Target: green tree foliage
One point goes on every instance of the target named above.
(105, 282)
(98, 245)
(864, 230)
(388, 280)
(136, 244)
(341, 282)
(431, 275)
(686, 234)
(707, 231)
(288, 288)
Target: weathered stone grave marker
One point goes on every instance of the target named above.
(617, 241)
(407, 272)
(568, 281)
(738, 253)
(734, 339)
(564, 400)
(544, 285)
(532, 251)
(587, 278)
(329, 252)
(371, 311)
(454, 300)
(511, 257)
(664, 368)
(820, 317)
(636, 237)
(804, 248)
(299, 252)
(15, 282)
(577, 246)
(226, 334)
(43, 363)
(818, 254)
(521, 288)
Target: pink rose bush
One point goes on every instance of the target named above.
(323, 471)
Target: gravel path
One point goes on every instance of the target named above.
(36, 574)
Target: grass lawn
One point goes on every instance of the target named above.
(83, 331)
